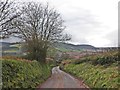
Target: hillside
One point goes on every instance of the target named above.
(60, 46)
(68, 47)
(5, 44)
(9, 48)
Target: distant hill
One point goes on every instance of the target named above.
(5, 44)
(67, 46)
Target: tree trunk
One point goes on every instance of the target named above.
(43, 55)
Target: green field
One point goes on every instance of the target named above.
(12, 50)
(98, 71)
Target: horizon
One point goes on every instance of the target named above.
(88, 23)
(62, 42)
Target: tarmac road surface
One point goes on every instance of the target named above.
(61, 79)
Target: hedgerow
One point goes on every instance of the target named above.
(23, 74)
(97, 71)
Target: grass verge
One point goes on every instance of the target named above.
(99, 71)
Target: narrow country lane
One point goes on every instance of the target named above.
(60, 79)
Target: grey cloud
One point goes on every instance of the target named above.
(79, 17)
(82, 23)
(112, 37)
(11, 39)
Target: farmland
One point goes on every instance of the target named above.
(59, 44)
(98, 69)
(10, 49)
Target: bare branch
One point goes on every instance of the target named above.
(39, 25)
(8, 12)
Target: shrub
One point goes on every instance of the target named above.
(22, 74)
(95, 76)
(98, 71)
(101, 59)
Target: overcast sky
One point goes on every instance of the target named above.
(93, 22)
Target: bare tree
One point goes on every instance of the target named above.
(40, 25)
(8, 12)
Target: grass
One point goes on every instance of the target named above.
(16, 45)
(98, 71)
(23, 73)
(67, 50)
(12, 49)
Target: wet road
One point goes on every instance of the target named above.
(60, 79)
